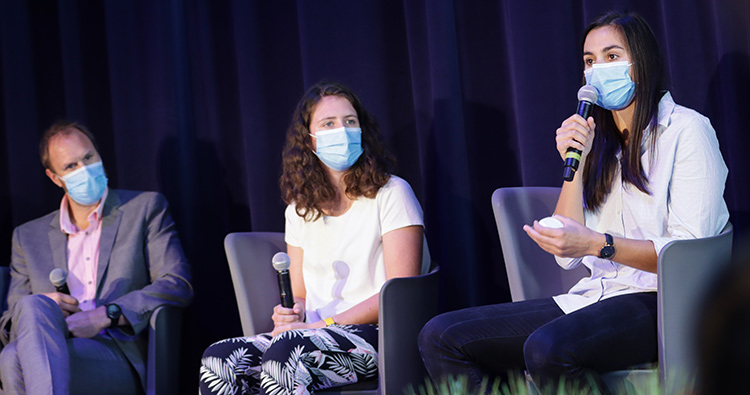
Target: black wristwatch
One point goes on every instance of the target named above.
(609, 249)
(114, 312)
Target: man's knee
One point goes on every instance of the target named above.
(36, 303)
(33, 311)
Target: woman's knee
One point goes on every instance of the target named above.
(281, 348)
(224, 348)
(546, 349)
(432, 333)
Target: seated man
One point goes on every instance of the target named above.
(124, 260)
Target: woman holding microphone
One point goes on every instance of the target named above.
(651, 172)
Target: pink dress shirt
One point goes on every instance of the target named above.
(83, 253)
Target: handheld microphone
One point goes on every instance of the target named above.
(281, 263)
(59, 278)
(587, 96)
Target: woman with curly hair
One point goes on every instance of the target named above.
(350, 226)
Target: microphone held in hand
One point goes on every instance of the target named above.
(587, 96)
(281, 263)
(59, 278)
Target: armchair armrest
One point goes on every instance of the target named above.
(162, 369)
(687, 269)
(406, 304)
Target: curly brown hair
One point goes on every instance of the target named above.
(304, 180)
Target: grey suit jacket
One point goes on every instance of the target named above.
(141, 265)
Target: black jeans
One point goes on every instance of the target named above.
(488, 341)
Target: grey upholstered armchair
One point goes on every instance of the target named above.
(399, 362)
(687, 269)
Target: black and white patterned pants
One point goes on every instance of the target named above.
(294, 362)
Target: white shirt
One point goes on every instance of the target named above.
(342, 263)
(687, 187)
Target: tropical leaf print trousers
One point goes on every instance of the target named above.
(294, 362)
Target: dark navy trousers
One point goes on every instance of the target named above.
(490, 341)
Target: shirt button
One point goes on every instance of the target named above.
(89, 282)
(88, 258)
(87, 233)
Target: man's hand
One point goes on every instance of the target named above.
(88, 323)
(67, 303)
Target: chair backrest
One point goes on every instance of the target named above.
(249, 255)
(687, 271)
(532, 272)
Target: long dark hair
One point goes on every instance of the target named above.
(648, 68)
(304, 181)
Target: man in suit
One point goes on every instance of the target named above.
(124, 260)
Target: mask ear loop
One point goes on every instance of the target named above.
(314, 151)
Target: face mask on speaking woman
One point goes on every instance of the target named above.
(612, 80)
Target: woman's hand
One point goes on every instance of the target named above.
(573, 240)
(285, 316)
(575, 132)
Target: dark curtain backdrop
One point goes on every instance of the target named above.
(192, 99)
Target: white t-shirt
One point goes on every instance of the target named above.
(343, 256)
(686, 202)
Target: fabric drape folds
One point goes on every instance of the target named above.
(193, 98)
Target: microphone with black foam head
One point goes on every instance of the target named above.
(587, 96)
(281, 264)
(59, 278)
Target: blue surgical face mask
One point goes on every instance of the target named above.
(86, 185)
(612, 80)
(339, 148)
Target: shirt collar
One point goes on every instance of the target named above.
(666, 108)
(67, 226)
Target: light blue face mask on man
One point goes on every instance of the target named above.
(86, 185)
(612, 80)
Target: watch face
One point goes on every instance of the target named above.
(607, 252)
(113, 311)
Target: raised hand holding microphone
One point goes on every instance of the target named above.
(587, 96)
